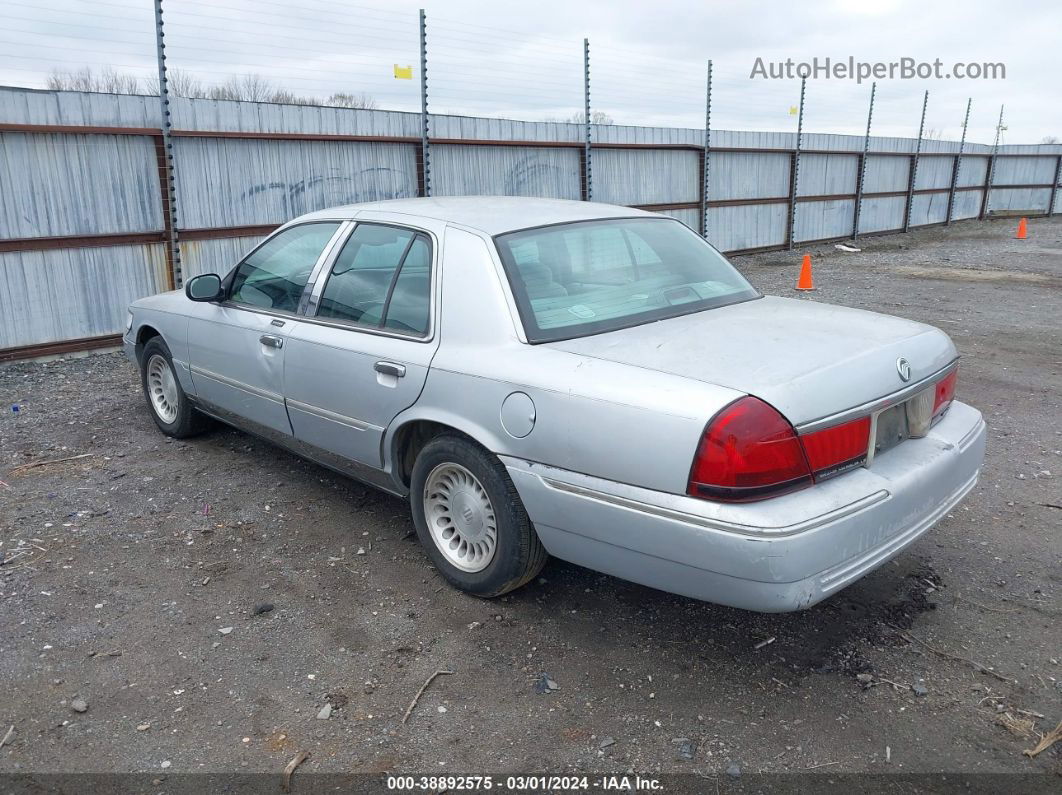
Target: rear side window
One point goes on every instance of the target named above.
(381, 279)
(274, 274)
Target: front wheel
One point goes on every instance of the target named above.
(167, 401)
(470, 518)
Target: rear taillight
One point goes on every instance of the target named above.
(944, 393)
(835, 450)
(748, 452)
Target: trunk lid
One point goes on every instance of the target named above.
(808, 360)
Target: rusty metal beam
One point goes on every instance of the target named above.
(694, 205)
(81, 241)
(505, 142)
(1039, 186)
(221, 232)
(747, 202)
(55, 348)
(76, 129)
(280, 136)
(673, 147)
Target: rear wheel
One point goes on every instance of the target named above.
(470, 518)
(167, 401)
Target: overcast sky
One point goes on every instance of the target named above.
(524, 60)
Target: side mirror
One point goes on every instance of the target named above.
(206, 287)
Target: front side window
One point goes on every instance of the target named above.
(274, 274)
(381, 279)
(587, 277)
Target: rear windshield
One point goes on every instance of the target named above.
(572, 280)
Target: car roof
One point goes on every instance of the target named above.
(493, 215)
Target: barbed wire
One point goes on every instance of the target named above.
(311, 52)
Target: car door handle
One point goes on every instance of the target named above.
(271, 341)
(390, 368)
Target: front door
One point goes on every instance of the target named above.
(361, 356)
(236, 349)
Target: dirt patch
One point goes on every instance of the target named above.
(869, 616)
(972, 275)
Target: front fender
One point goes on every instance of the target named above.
(173, 329)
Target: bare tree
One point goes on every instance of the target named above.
(596, 117)
(284, 97)
(106, 82)
(344, 100)
(247, 88)
(179, 83)
(1049, 139)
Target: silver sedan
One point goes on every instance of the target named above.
(574, 379)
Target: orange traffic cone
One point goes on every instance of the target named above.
(804, 282)
(1023, 230)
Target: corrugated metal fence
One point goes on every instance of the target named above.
(82, 229)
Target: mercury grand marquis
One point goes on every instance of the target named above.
(574, 379)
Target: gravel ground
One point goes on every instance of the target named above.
(172, 606)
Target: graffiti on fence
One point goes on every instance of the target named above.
(317, 191)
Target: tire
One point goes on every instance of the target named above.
(167, 402)
(442, 493)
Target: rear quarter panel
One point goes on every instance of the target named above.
(611, 420)
(602, 419)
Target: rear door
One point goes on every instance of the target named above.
(361, 354)
(236, 348)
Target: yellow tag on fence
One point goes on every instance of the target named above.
(403, 72)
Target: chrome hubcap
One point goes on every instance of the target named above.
(162, 388)
(460, 517)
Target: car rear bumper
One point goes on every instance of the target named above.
(782, 554)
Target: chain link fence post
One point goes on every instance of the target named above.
(706, 155)
(425, 145)
(1054, 187)
(913, 176)
(958, 164)
(794, 170)
(588, 170)
(166, 160)
(990, 172)
(862, 176)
